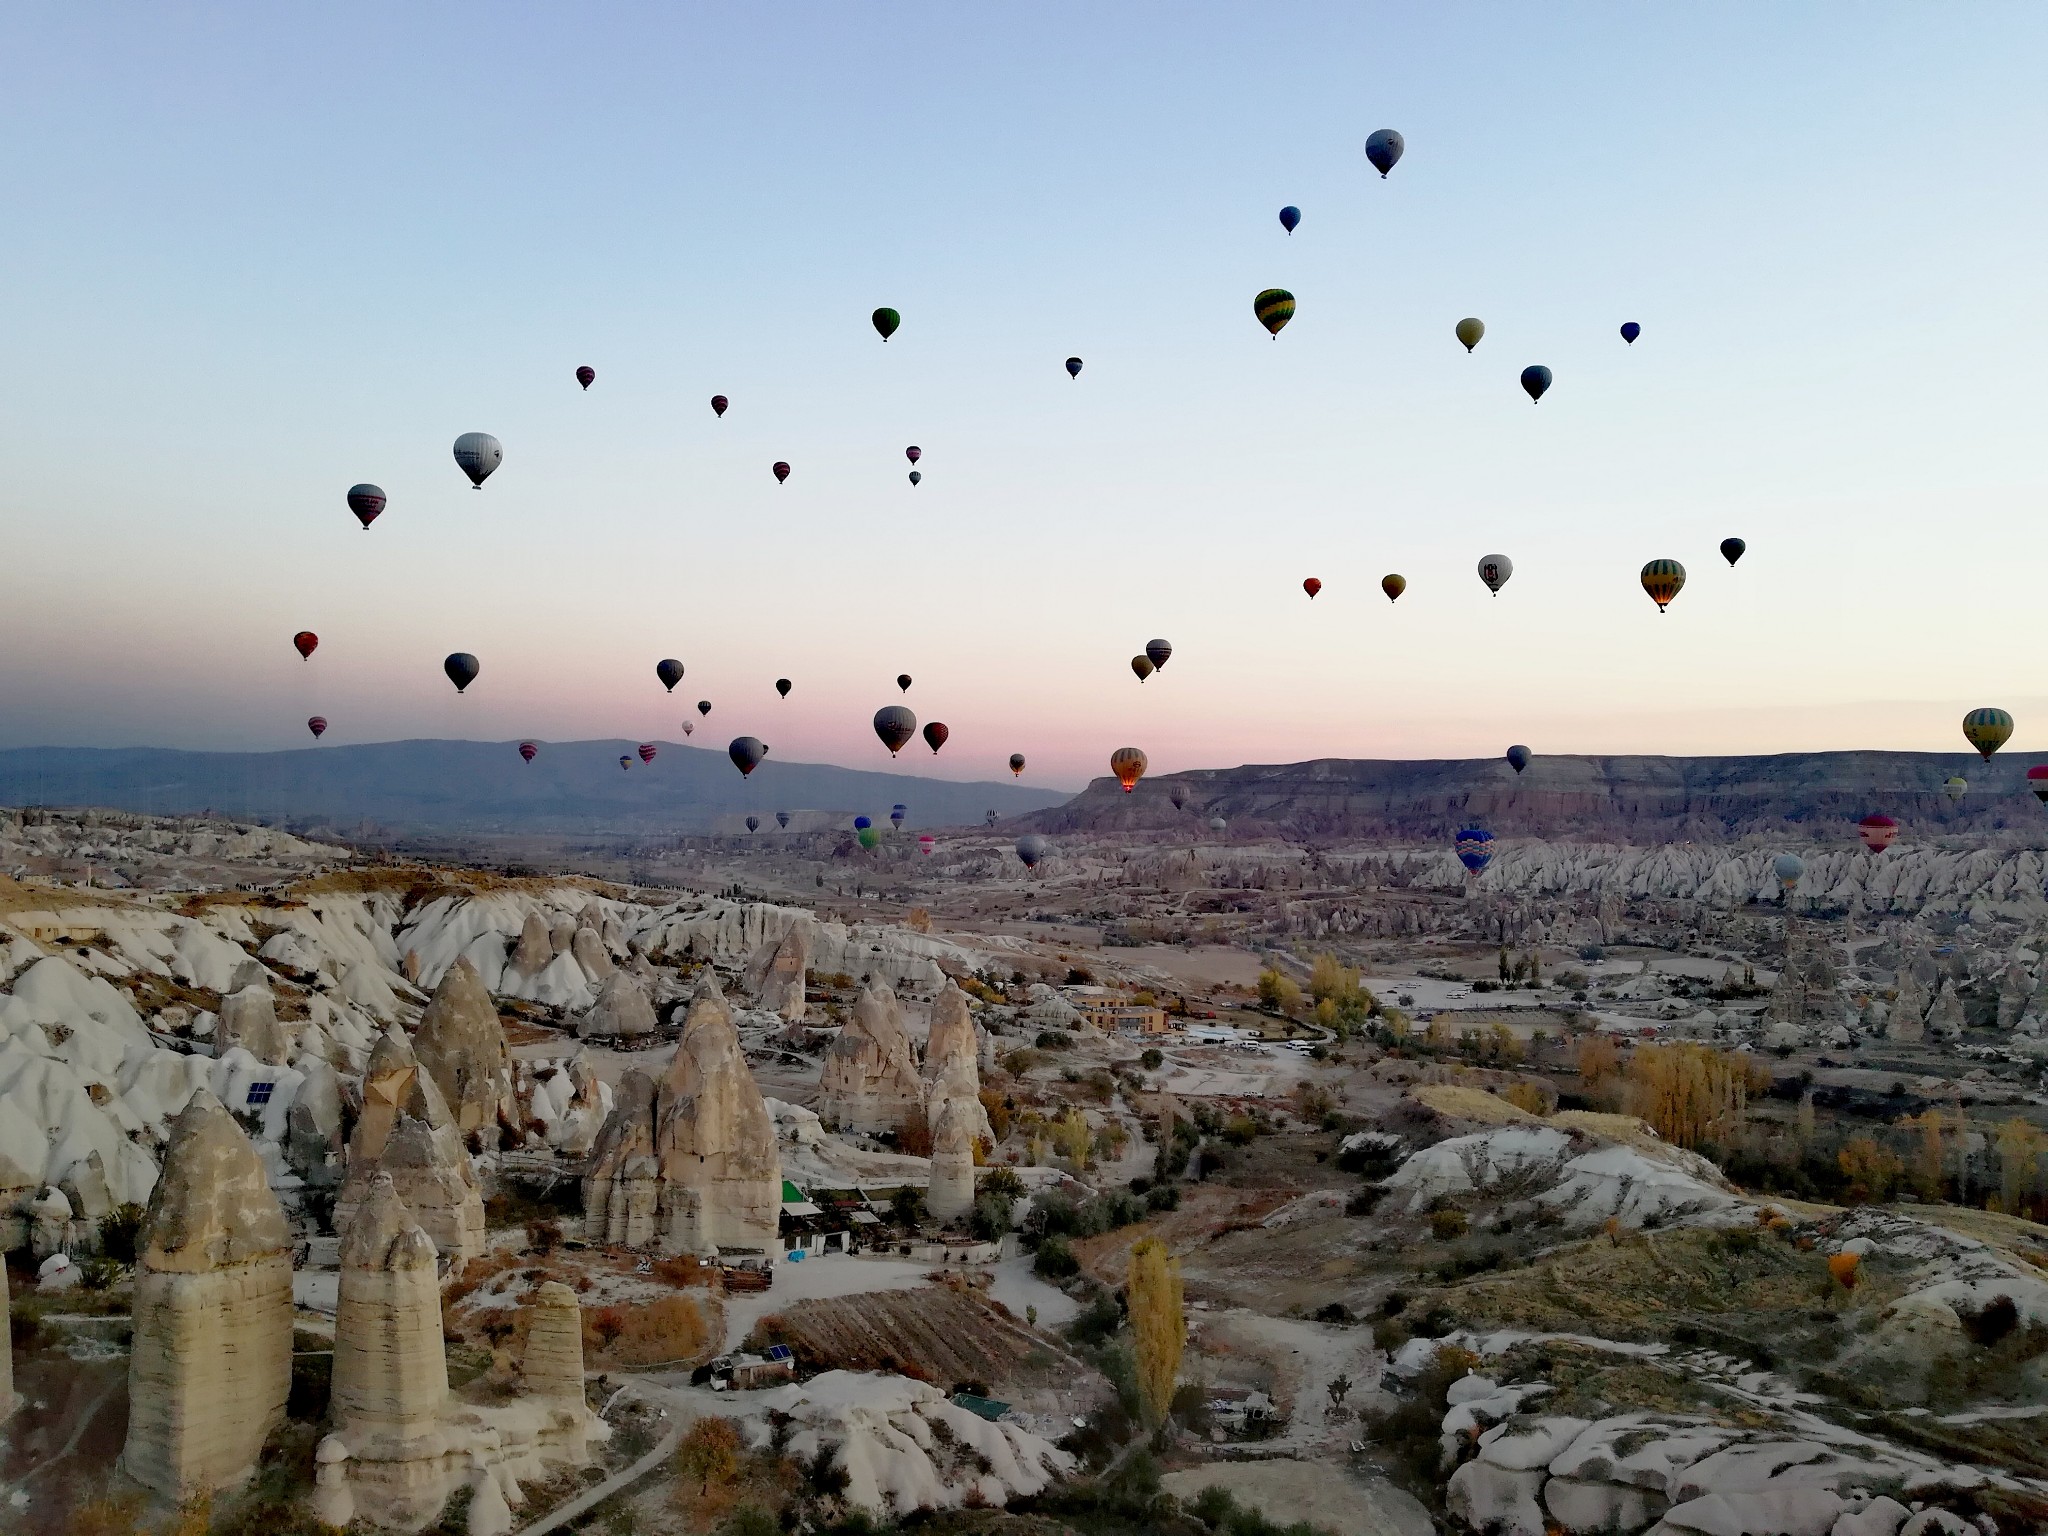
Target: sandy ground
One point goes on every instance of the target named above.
(1204, 965)
(1317, 1491)
(835, 1275)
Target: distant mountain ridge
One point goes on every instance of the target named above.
(480, 786)
(1612, 798)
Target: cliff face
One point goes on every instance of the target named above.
(1622, 798)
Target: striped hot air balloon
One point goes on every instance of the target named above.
(1129, 765)
(2037, 781)
(1274, 307)
(1878, 832)
(1987, 730)
(1475, 848)
(1662, 579)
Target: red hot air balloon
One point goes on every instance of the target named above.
(318, 726)
(913, 454)
(926, 843)
(935, 735)
(528, 750)
(586, 376)
(2037, 781)
(306, 642)
(1312, 586)
(647, 751)
(718, 405)
(1878, 832)
(781, 471)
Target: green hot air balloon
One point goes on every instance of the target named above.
(1274, 307)
(869, 836)
(1469, 332)
(886, 321)
(1987, 730)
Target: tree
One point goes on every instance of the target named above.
(1072, 1137)
(1690, 1094)
(1339, 1386)
(1599, 1058)
(1871, 1170)
(710, 1453)
(1278, 992)
(1158, 1324)
(2022, 1157)
(1930, 1154)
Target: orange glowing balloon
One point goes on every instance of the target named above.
(1128, 764)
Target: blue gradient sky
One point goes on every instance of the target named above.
(254, 255)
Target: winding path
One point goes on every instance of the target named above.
(590, 1498)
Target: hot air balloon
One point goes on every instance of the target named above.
(1731, 550)
(886, 321)
(1289, 217)
(1384, 150)
(1788, 867)
(305, 642)
(1179, 796)
(670, 672)
(1142, 665)
(477, 454)
(1016, 765)
(647, 750)
(318, 726)
(718, 405)
(903, 681)
(625, 761)
(913, 453)
(746, 753)
(2037, 781)
(1987, 730)
(897, 813)
(1955, 788)
(1495, 570)
(1393, 586)
(895, 725)
(528, 751)
(1073, 367)
(862, 823)
(782, 818)
(366, 501)
(586, 376)
(462, 669)
(935, 735)
(1128, 764)
(1475, 848)
(1877, 831)
(868, 836)
(1031, 848)
(1217, 824)
(1470, 331)
(703, 706)
(1312, 586)
(1518, 759)
(915, 477)
(781, 471)
(689, 726)
(1274, 307)
(1662, 579)
(782, 686)
(1159, 652)
(926, 844)
(1630, 331)
(753, 823)
(1535, 379)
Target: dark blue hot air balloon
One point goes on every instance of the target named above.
(1518, 758)
(1630, 332)
(1289, 217)
(1475, 848)
(861, 823)
(896, 815)
(1535, 379)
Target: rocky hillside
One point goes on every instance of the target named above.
(1620, 799)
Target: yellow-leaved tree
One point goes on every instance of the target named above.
(1157, 1323)
(1692, 1094)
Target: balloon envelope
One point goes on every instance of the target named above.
(647, 751)
(1731, 550)
(1142, 665)
(1518, 758)
(1274, 307)
(1495, 570)
(1788, 867)
(1289, 217)
(1217, 823)
(913, 453)
(926, 843)
(1312, 586)
(1630, 331)
(1031, 848)
(1535, 379)
(782, 818)
(897, 813)
(903, 681)
(894, 725)
(915, 477)
(1158, 652)
(1073, 367)
(746, 753)
(305, 642)
(366, 501)
(2037, 781)
(528, 750)
(703, 706)
(862, 823)
(1475, 848)
(1987, 730)
(586, 376)
(886, 321)
(1662, 580)
(1955, 788)
(625, 759)
(1384, 149)
(689, 726)
(935, 734)
(1469, 332)
(753, 823)
(782, 686)
(1877, 832)
(462, 669)
(670, 672)
(1128, 764)
(781, 471)
(718, 405)
(318, 726)
(477, 454)
(1017, 764)
(1393, 586)
(1179, 796)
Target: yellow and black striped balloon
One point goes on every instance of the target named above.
(1987, 730)
(1662, 579)
(1274, 307)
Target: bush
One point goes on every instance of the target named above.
(1447, 1224)
(1163, 1197)
(1055, 1260)
(98, 1273)
(1152, 1059)
(120, 1232)
(1098, 1321)
(1054, 1040)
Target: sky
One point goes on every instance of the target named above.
(254, 255)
